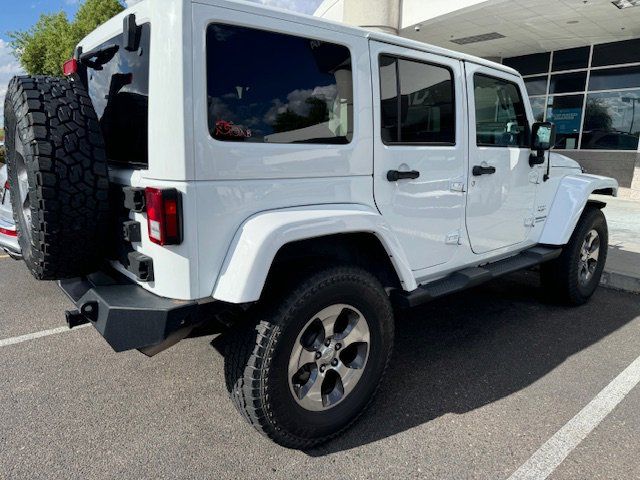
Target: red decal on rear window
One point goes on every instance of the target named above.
(227, 129)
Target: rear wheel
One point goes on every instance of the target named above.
(310, 366)
(57, 173)
(573, 277)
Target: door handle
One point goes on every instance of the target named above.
(395, 175)
(482, 170)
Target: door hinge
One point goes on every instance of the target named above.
(453, 238)
(534, 177)
(457, 186)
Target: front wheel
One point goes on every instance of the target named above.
(310, 366)
(573, 277)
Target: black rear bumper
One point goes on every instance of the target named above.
(128, 316)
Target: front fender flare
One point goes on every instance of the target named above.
(262, 235)
(569, 203)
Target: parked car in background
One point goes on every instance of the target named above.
(8, 234)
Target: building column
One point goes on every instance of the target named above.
(380, 15)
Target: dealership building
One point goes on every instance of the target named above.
(580, 60)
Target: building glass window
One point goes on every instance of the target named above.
(608, 115)
(568, 82)
(612, 121)
(501, 120)
(616, 53)
(570, 59)
(417, 102)
(566, 112)
(530, 64)
(257, 94)
(615, 78)
(536, 85)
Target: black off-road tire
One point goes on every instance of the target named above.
(257, 357)
(560, 277)
(64, 163)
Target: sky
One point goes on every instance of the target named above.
(21, 14)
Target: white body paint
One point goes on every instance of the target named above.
(242, 202)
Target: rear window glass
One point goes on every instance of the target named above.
(119, 91)
(267, 87)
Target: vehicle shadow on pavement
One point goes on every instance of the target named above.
(474, 348)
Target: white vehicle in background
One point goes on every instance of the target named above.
(8, 233)
(293, 178)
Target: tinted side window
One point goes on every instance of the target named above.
(417, 102)
(501, 119)
(269, 87)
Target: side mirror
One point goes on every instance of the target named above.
(543, 137)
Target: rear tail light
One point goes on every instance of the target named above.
(6, 185)
(7, 232)
(70, 67)
(164, 215)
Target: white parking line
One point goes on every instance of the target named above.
(550, 455)
(31, 336)
(4, 256)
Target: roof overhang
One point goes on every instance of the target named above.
(505, 28)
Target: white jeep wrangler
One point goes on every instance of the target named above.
(293, 177)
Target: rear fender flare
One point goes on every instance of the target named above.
(569, 203)
(262, 235)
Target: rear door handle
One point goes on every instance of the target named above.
(482, 170)
(395, 175)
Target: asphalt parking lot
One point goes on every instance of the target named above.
(481, 385)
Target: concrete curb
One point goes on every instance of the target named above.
(620, 281)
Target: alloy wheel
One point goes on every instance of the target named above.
(329, 357)
(589, 256)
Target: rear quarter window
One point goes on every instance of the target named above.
(267, 87)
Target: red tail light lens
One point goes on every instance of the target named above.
(6, 185)
(9, 233)
(70, 67)
(164, 215)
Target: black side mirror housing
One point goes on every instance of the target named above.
(543, 137)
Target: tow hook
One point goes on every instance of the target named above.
(75, 318)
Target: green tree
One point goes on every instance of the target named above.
(43, 48)
(597, 116)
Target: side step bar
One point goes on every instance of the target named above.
(472, 277)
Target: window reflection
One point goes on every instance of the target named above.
(566, 113)
(538, 105)
(611, 111)
(275, 88)
(119, 92)
(614, 78)
(422, 94)
(536, 85)
(501, 120)
(612, 121)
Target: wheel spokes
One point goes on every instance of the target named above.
(328, 317)
(357, 331)
(349, 375)
(329, 357)
(309, 393)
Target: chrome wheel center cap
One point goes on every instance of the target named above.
(327, 354)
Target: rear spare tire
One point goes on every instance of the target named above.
(58, 175)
